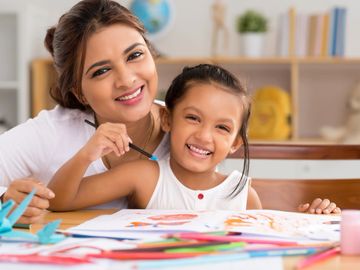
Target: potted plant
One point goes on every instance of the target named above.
(252, 27)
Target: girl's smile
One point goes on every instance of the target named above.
(198, 151)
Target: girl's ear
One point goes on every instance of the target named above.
(238, 142)
(165, 119)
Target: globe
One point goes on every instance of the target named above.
(156, 15)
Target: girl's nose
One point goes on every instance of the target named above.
(204, 134)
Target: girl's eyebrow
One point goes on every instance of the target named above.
(103, 62)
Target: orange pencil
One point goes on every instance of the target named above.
(310, 260)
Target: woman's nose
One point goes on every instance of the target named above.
(124, 77)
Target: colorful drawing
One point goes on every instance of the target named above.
(284, 224)
(174, 217)
(260, 222)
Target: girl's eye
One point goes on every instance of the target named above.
(225, 128)
(192, 118)
(135, 55)
(99, 72)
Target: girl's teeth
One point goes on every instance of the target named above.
(197, 150)
(135, 94)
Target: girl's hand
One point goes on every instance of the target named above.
(319, 206)
(109, 137)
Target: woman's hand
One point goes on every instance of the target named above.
(319, 206)
(20, 188)
(109, 137)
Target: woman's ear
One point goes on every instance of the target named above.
(80, 97)
(165, 119)
(238, 142)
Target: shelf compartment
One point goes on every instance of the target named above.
(8, 47)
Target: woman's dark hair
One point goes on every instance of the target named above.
(213, 74)
(66, 42)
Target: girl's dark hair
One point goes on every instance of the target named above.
(66, 42)
(213, 74)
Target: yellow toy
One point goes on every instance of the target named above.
(271, 114)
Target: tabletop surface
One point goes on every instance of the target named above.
(73, 218)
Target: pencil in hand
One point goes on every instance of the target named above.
(131, 145)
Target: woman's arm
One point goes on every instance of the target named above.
(21, 159)
(319, 206)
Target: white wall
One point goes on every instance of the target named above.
(190, 34)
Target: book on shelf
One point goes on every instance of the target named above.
(314, 35)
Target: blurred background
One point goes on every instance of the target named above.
(300, 59)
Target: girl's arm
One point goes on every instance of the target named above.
(253, 201)
(70, 192)
(75, 192)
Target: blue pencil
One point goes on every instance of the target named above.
(206, 259)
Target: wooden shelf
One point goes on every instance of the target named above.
(318, 87)
(266, 60)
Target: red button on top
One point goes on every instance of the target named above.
(200, 196)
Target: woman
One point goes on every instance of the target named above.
(106, 73)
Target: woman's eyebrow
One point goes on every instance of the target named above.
(103, 62)
(100, 63)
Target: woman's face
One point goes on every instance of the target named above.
(119, 79)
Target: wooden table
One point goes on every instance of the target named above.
(70, 219)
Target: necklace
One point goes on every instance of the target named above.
(148, 139)
(143, 145)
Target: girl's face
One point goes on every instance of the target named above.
(204, 127)
(119, 78)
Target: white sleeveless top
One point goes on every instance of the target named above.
(170, 193)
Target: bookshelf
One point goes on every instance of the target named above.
(14, 92)
(318, 87)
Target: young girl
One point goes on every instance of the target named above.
(206, 115)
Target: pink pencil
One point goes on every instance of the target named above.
(318, 257)
(210, 237)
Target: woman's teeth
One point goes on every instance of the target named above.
(198, 150)
(133, 95)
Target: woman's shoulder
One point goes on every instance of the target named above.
(59, 114)
(61, 118)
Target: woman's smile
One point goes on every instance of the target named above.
(131, 98)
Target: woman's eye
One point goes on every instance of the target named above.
(99, 72)
(135, 55)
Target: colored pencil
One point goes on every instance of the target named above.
(142, 255)
(208, 248)
(320, 256)
(131, 145)
(215, 258)
(209, 237)
(173, 246)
